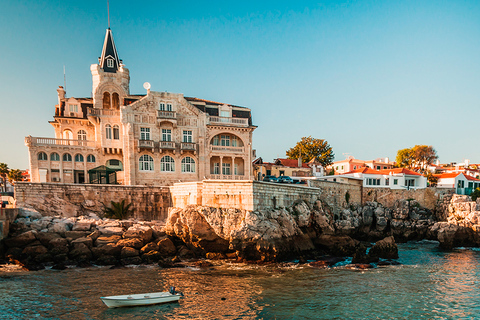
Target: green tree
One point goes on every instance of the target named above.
(417, 158)
(15, 175)
(3, 173)
(118, 210)
(310, 148)
(475, 194)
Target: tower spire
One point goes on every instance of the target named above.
(108, 12)
(109, 60)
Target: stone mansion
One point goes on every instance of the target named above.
(155, 139)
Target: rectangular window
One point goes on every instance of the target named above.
(378, 167)
(110, 63)
(169, 107)
(216, 168)
(281, 172)
(74, 108)
(162, 107)
(187, 136)
(395, 181)
(269, 172)
(216, 142)
(144, 133)
(235, 169)
(234, 141)
(166, 135)
(225, 140)
(387, 181)
(225, 114)
(226, 169)
(470, 184)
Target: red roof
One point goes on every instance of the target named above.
(292, 163)
(400, 170)
(454, 175)
(366, 170)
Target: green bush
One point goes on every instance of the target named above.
(475, 194)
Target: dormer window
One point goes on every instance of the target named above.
(73, 107)
(110, 63)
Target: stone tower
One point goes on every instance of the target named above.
(110, 77)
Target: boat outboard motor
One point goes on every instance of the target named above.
(172, 290)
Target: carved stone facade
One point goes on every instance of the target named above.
(153, 139)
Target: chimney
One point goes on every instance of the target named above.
(61, 94)
(387, 160)
(300, 161)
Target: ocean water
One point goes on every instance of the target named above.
(429, 284)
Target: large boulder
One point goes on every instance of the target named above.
(152, 246)
(105, 240)
(131, 242)
(385, 249)
(129, 252)
(144, 233)
(109, 249)
(340, 245)
(166, 247)
(22, 239)
(58, 246)
(86, 240)
(81, 252)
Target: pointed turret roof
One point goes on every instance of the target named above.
(109, 61)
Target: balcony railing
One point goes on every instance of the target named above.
(166, 114)
(188, 146)
(167, 145)
(102, 112)
(146, 144)
(226, 177)
(38, 141)
(227, 149)
(242, 122)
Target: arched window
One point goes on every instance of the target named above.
(54, 157)
(67, 134)
(108, 131)
(115, 101)
(42, 156)
(78, 157)
(116, 132)
(82, 135)
(167, 164)
(90, 158)
(145, 163)
(106, 100)
(67, 157)
(188, 164)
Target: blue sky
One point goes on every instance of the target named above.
(370, 77)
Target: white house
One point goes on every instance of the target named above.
(462, 183)
(398, 178)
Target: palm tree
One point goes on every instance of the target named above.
(15, 175)
(3, 173)
(118, 210)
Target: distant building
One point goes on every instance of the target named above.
(397, 178)
(153, 139)
(351, 164)
(462, 183)
(281, 167)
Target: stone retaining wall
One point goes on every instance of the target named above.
(428, 198)
(69, 200)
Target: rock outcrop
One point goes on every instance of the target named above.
(302, 231)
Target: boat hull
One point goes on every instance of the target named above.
(140, 299)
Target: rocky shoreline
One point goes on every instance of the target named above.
(309, 233)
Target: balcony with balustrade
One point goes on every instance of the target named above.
(226, 121)
(170, 116)
(54, 142)
(188, 146)
(148, 145)
(94, 112)
(226, 149)
(166, 145)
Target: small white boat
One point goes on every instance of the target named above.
(132, 300)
